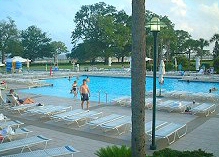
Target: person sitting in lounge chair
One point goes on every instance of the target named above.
(21, 101)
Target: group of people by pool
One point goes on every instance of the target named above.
(83, 90)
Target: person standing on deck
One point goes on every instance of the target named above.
(85, 94)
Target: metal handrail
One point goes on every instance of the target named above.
(99, 96)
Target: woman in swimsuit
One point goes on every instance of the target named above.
(74, 89)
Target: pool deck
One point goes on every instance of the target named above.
(202, 131)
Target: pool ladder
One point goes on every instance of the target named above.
(99, 95)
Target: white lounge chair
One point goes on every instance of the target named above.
(10, 98)
(48, 110)
(15, 123)
(173, 130)
(15, 133)
(91, 115)
(164, 104)
(149, 102)
(58, 151)
(204, 108)
(62, 116)
(212, 97)
(3, 104)
(54, 110)
(22, 108)
(178, 106)
(39, 109)
(24, 143)
(126, 102)
(101, 121)
(158, 124)
(117, 124)
(179, 94)
(120, 100)
(3, 118)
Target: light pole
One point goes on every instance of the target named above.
(155, 28)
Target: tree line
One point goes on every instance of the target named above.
(31, 43)
(103, 31)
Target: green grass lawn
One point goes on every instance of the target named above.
(43, 67)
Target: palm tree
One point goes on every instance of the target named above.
(149, 46)
(138, 74)
(215, 39)
(190, 46)
(167, 35)
(201, 44)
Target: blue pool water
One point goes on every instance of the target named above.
(116, 87)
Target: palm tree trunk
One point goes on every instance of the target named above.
(122, 59)
(138, 74)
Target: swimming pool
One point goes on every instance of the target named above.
(115, 87)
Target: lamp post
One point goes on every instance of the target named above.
(155, 28)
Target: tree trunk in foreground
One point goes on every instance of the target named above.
(138, 74)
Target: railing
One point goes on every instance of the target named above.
(101, 93)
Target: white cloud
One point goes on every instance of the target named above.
(185, 26)
(215, 29)
(209, 21)
(179, 3)
(179, 8)
(212, 10)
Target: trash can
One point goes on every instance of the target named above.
(18, 65)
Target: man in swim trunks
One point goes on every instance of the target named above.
(85, 94)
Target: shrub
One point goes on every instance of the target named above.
(196, 153)
(169, 66)
(207, 65)
(149, 66)
(183, 61)
(114, 151)
(123, 151)
(175, 153)
(166, 152)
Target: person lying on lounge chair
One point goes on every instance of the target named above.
(21, 101)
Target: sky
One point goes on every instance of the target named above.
(199, 17)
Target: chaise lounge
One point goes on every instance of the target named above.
(58, 151)
(117, 125)
(98, 122)
(91, 115)
(171, 130)
(23, 143)
(205, 108)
